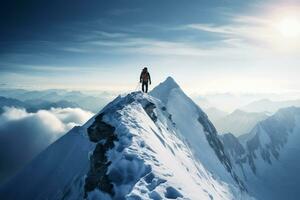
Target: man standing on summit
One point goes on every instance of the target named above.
(144, 78)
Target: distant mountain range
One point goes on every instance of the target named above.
(266, 105)
(239, 122)
(44, 99)
(215, 113)
(242, 121)
(34, 105)
(268, 157)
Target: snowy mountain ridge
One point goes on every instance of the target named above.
(157, 146)
(268, 155)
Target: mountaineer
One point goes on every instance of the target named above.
(144, 79)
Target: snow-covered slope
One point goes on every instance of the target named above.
(269, 156)
(56, 173)
(195, 127)
(158, 146)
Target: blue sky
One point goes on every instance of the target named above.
(206, 45)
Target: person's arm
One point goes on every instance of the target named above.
(141, 77)
(149, 78)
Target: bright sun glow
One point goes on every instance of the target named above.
(289, 27)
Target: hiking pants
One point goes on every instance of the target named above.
(145, 86)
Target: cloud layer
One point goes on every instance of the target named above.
(23, 135)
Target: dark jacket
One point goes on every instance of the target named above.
(145, 77)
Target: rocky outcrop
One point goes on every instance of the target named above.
(102, 134)
(105, 136)
(149, 109)
(232, 145)
(216, 144)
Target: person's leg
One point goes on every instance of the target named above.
(143, 86)
(146, 87)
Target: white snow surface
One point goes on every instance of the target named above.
(163, 154)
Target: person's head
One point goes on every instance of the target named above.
(145, 69)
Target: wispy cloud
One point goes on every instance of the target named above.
(126, 43)
(75, 49)
(149, 46)
(260, 31)
(228, 30)
(123, 11)
(33, 132)
(240, 33)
